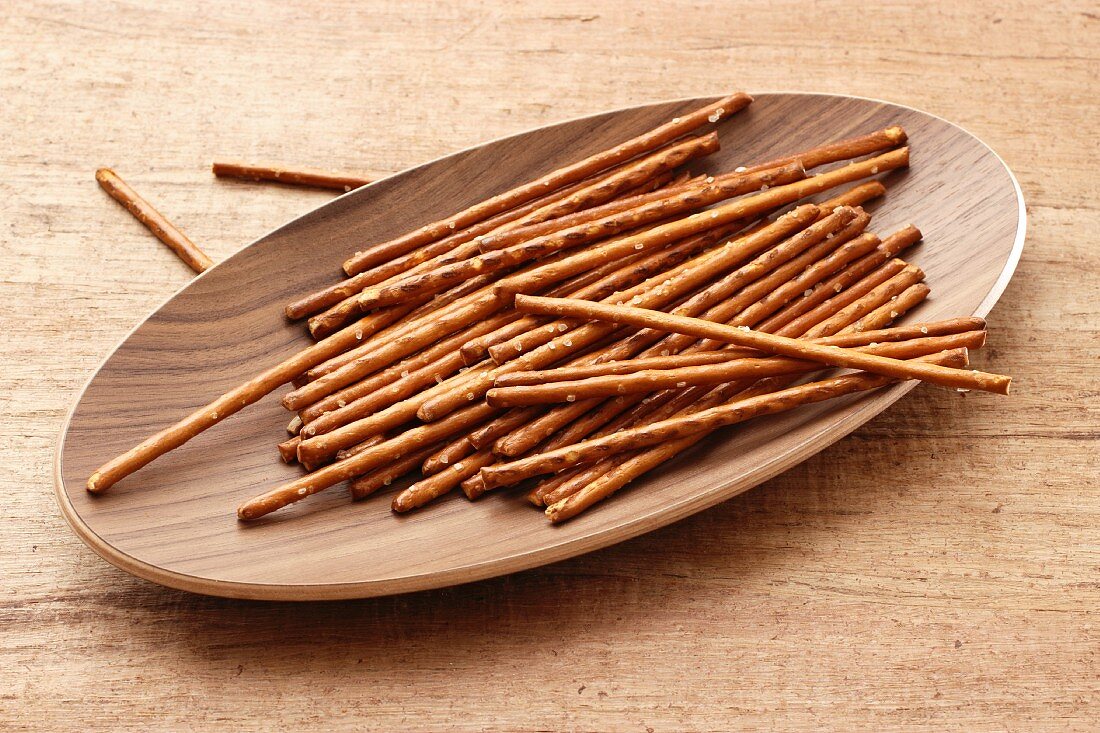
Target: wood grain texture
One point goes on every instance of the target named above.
(173, 522)
(935, 570)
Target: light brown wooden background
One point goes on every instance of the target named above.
(938, 569)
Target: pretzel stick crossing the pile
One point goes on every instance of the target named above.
(780, 345)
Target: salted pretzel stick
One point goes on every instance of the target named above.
(855, 196)
(387, 473)
(625, 472)
(448, 455)
(294, 175)
(746, 206)
(473, 487)
(358, 464)
(484, 436)
(716, 297)
(674, 283)
(678, 203)
(153, 220)
(854, 147)
(229, 403)
(432, 487)
(505, 474)
(321, 448)
(654, 380)
(556, 179)
(702, 358)
(288, 449)
(779, 345)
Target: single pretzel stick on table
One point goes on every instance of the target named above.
(779, 345)
(296, 176)
(644, 143)
(153, 220)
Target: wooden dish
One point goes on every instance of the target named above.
(173, 522)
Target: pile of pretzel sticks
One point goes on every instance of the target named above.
(573, 333)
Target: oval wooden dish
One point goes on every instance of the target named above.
(173, 522)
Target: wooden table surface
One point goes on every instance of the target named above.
(937, 569)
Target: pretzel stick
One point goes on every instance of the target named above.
(855, 196)
(674, 283)
(744, 207)
(358, 464)
(288, 449)
(473, 487)
(563, 176)
(153, 220)
(703, 421)
(779, 345)
(653, 380)
(229, 403)
(432, 487)
(321, 448)
(296, 176)
(484, 436)
(854, 147)
(387, 473)
(716, 297)
(702, 358)
(496, 260)
(448, 455)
